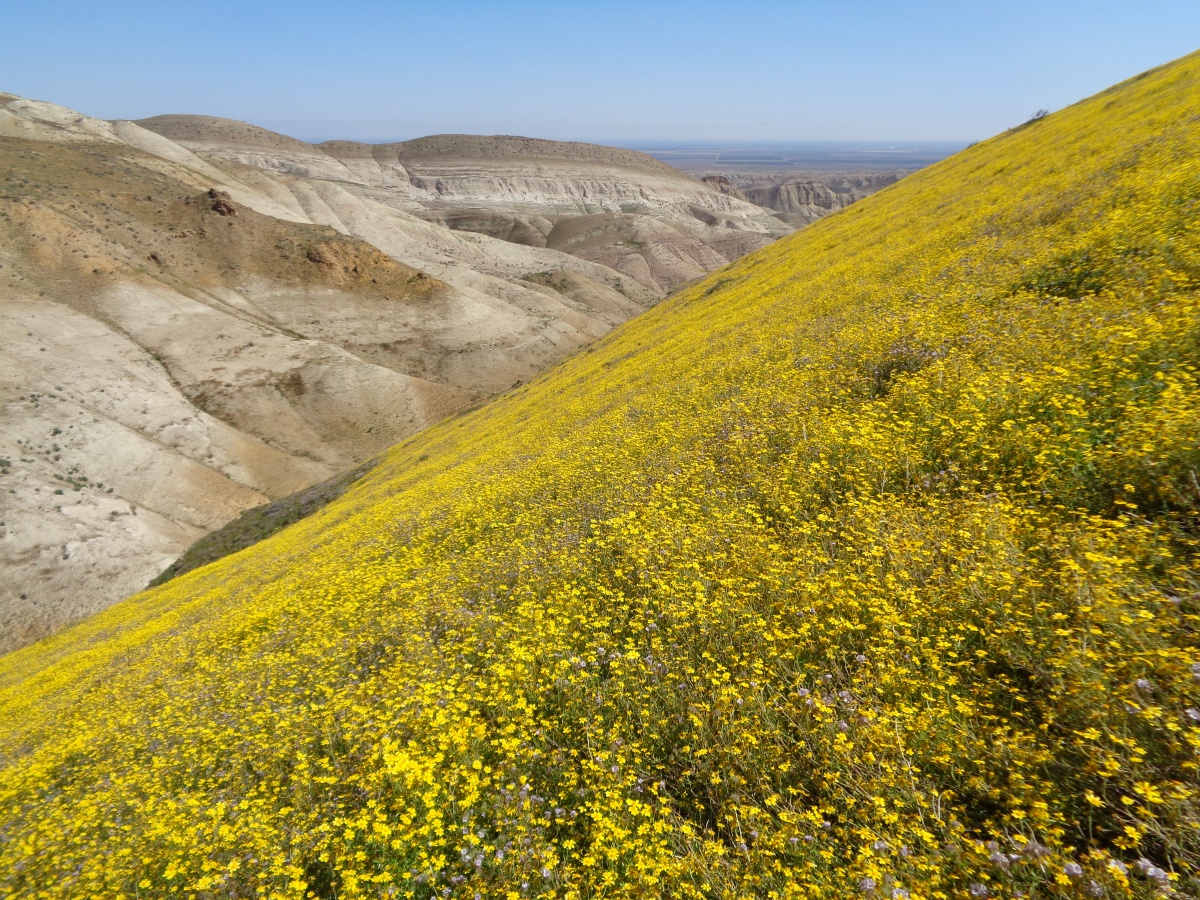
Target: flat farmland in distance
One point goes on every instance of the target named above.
(766, 157)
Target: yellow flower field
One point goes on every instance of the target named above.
(866, 568)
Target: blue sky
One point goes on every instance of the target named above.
(576, 69)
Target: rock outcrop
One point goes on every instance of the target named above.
(725, 186)
(801, 201)
(222, 203)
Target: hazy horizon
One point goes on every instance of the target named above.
(655, 144)
(819, 151)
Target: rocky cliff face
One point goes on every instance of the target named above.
(723, 184)
(801, 201)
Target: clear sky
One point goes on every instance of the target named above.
(615, 71)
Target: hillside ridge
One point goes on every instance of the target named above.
(470, 146)
(190, 127)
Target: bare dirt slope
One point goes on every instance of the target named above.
(154, 377)
(193, 329)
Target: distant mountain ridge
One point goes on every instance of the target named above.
(802, 201)
(212, 129)
(231, 139)
(468, 146)
(658, 226)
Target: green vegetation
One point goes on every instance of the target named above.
(868, 568)
(261, 522)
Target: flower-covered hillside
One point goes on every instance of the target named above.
(866, 568)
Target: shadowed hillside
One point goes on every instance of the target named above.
(866, 567)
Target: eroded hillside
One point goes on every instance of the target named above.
(170, 359)
(622, 209)
(866, 568)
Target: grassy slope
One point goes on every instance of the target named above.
(875, 548)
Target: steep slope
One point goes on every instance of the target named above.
(645, 219)
(866, 568)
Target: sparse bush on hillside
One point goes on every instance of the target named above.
(872, 572)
